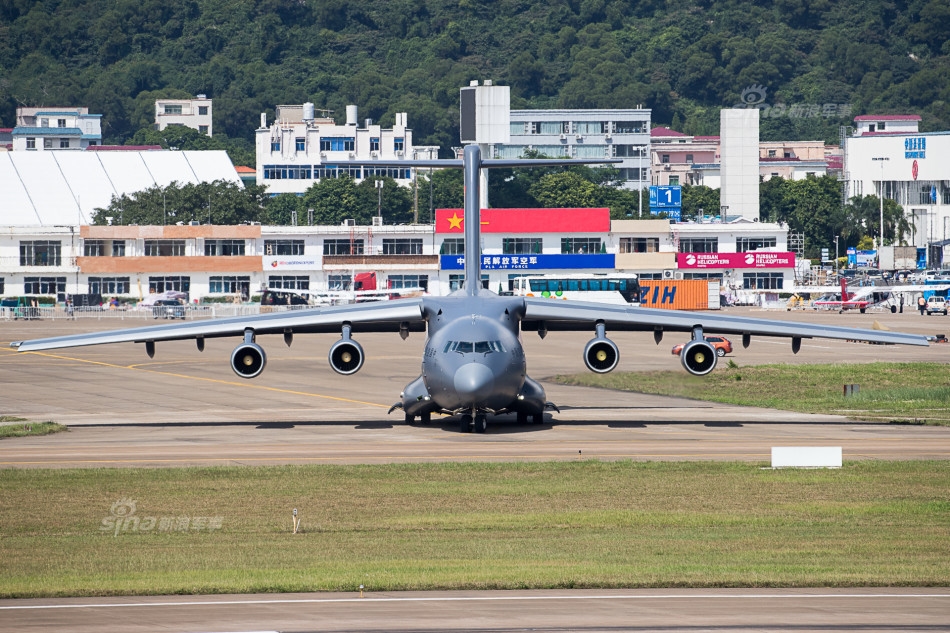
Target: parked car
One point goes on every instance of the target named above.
(937, 304)
(721, 344)
(168, 309)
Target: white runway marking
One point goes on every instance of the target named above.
(751, 596)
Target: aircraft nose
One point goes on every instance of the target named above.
(473, 383)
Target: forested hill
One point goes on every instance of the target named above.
(684, 59)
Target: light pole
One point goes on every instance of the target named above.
(881, 159)
(379, 203)
(836, 255)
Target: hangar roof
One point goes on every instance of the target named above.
(66, 187)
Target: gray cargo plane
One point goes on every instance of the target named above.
(474, 363)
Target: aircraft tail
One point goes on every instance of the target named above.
(845, 295)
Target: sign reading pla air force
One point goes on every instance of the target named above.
(532, 262)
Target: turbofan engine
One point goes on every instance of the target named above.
(601, 355)
(346, 356)
(248, 360)
(698, 357)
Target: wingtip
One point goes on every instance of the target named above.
(16, 344)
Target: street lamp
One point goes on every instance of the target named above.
(881, 159)
(379, 203)
(836, 255)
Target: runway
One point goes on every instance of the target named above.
(589, 611)
(187, 408)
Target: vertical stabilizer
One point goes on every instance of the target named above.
(473, 251)
(845, 295)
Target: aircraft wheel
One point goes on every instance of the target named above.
(537, 418)
(481, 423)
(425, 418)
(410, 418)
(466, 423)
(720, 352)
(522, 418)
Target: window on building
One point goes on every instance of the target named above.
(456, 281)
(118, 248)
(699, 245)
(521, 245)
(300, 143)
(787, 154)
(30, 142)
(343, 246)
(47, 143)
(93, 248)
(402, 246)
(224, 248)
(288, 282)
(452, 246)
(549, 127)
(629, 151)
(633, 173)
(172, 109)
(639, 244)
(591, 127)
(45, 286)
(580, 245)
(159, 284)
(202, 110)
(762, 281)
(339, 282)
(674, 180)
(41, 253)
(287, 172)
(44, 122)
(64, 143)
(2, 290)
(61, 122)
(275, 145)
(109, 285)
(880, 125)
(746, 244)
(203, 129)
(229, 284)
(399, 144)
(164, 248)
(630, 127)
(689, 159)
(771, 153)
(374, 144)
(283, 247)
(665, 158)
(338, 144)
(408, 281)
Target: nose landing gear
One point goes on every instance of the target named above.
(478, 423)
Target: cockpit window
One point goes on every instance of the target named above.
(478, 347)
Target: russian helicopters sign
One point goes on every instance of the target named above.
(735, 260)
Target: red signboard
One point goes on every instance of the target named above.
(515, 221)
(735, 260)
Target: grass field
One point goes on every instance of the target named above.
(901, 392)
(430, 526)
(19, 427)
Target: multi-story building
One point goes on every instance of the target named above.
(239, 261)
(194, 113)
(888, 156)
(623, 134)
(56, 128)
(300, 148)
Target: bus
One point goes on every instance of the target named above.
(617, 288)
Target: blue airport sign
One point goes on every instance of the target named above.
(673, 213)
(532, 262)
(666, 196)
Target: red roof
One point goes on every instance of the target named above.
(665, 131)
(241, 169)
(123, 148)
(887, 117)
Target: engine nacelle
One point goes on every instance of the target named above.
(248, 360)
(601, 355)
(698, 357)
(346, 356)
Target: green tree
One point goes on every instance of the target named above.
(566, 189)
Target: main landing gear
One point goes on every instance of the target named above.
(478, 423)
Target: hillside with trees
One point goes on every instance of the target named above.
(684, 60)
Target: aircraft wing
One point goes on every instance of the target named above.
(381, 316)
(554, 315)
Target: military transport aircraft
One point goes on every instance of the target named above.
(474, 363)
